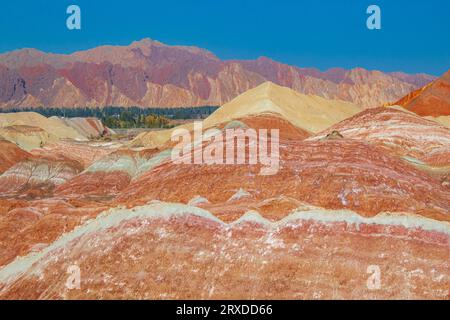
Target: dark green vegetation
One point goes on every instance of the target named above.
(131, 117)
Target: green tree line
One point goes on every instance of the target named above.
(126, 117)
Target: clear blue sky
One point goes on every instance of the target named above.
(415, 34)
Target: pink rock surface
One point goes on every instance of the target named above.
(37, 177)
(343, 202)
(84, 153)
(149, 73)
(419, 141)
(333, 174)
(109, 175)
(175, 252)
(24, 224)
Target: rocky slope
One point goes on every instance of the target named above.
(168, 251)
(149, 73)
(365, 194)
(88, 127)
(305, 112)
(310, 113)
(37, 176)
(53, 125)
(27, 137)
(334, 174)
(416, 140)
(431, 100)
(31, 130)
(10, 154)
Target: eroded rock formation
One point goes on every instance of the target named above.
(149, 73)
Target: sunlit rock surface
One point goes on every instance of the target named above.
(27, 225)
(84, 153)
(421, 142)
(38, 176)
(335, 174)
(53, 125)
(10, 154)
(170, 251)
(27, 137)
(31, 130)
(370, 192)
(113, 173)
(431, 100)
(306, 113)
(88, 127)
(150, 73)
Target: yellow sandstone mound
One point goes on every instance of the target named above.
(54, 126)
(31, 130)
(27, 137)
(308, 112)
(155, 139)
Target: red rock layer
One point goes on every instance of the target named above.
(29, 225)
(84, 153)
(193, 257)
(400, 133)
(95, 184)
(332, 174)
(188, 255)
(37, 177)
(107, 176)
(10, 154)
(287, 131)
(431, 100)
(149, 73)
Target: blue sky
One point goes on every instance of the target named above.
(415, 34)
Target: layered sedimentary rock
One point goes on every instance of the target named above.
(335, 174)
(85, 153)
(29, 211)
(27, 137)
(169, 251)
(39, 222)
(308, 113)
(10, 154)
(156, 139)
(37, 177)
(88, 127)
(421, 142)
(368, 168)
(267, 121)
(53, 125)
(31, 130)
(431, 100)
(37, 174)
(369, 194)
(111, 174)
(149, 73)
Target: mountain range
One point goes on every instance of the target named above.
(149, 73)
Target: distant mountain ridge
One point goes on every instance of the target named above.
(148, 73)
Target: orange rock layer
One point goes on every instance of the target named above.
(195, 257)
